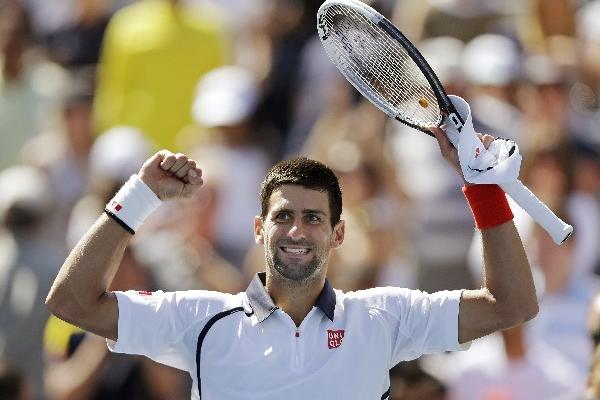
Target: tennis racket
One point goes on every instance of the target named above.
(386, 68)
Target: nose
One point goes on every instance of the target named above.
(296, 231)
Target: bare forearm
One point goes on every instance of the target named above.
(80, 294)
(80, 289)
(508, 274)
(508, 297)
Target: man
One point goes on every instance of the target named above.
(143, 41)
(592, 391)
(289, 335)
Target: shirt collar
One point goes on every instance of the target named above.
(263, 305)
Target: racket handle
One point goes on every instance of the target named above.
(558, 230)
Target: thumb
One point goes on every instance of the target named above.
(155, 160)
(151, 171)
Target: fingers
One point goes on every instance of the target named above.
(180, 166)
(487, 140)
(443, 141)
(194, 177)
(173, 162)
(177, 164)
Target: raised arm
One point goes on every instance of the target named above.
(508, 296)
(79, 294)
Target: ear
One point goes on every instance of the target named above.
(258, 231)
(337, 237)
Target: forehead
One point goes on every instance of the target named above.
(296, 197)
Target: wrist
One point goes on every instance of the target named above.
(148, 182)
(488, 204)
(132, 204)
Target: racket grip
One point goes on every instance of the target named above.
(558, 230)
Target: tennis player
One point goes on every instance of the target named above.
(290, 334)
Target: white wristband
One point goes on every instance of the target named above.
(132, 204)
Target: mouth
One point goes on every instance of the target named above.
(295, 250)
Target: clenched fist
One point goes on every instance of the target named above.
(171, 175)
(449, 151)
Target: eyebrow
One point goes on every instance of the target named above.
(311, 211)
(304, 211)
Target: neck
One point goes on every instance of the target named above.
(295, 298)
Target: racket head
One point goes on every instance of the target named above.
(382, 64)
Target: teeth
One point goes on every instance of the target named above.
(295, 251)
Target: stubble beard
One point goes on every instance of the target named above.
(295, 274)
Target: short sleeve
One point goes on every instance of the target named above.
(417, 322)
(156, 324)
(428, 323)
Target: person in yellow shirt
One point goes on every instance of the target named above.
(153, 54)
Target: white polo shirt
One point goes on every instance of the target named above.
(244, 347)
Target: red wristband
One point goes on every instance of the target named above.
(488, 204)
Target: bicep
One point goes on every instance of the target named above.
(478, 315)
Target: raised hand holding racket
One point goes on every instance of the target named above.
(386, 68)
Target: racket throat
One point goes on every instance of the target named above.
(456, 121)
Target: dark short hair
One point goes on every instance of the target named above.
(307, 173)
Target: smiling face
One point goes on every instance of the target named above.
(297, 233)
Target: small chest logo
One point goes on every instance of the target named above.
(334, 338)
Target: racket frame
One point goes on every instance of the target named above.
(556, 228)
(445, 105)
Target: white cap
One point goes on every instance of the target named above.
(27, 188)
(469, 8)
(588, 19)
(491, 60)
(118, 153)
(541, 69)
(225, 96)
(444, 54)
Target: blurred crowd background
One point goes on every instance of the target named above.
(90, 88)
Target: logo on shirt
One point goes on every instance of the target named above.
(144, 293)
(334, 338)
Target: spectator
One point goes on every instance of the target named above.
(410, 382)
(592, 391)
(491, 65)
(518, 371)
(584, 94)
(78, 43)
(28, 261)
(226, 102)
(63, 153)
(30, 87)
(154, 53)
(561, 322)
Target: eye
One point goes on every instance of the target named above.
(282, 216)
(314, 218)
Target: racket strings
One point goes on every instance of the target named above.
(389, 72)
(386, 70)
(379, 65)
